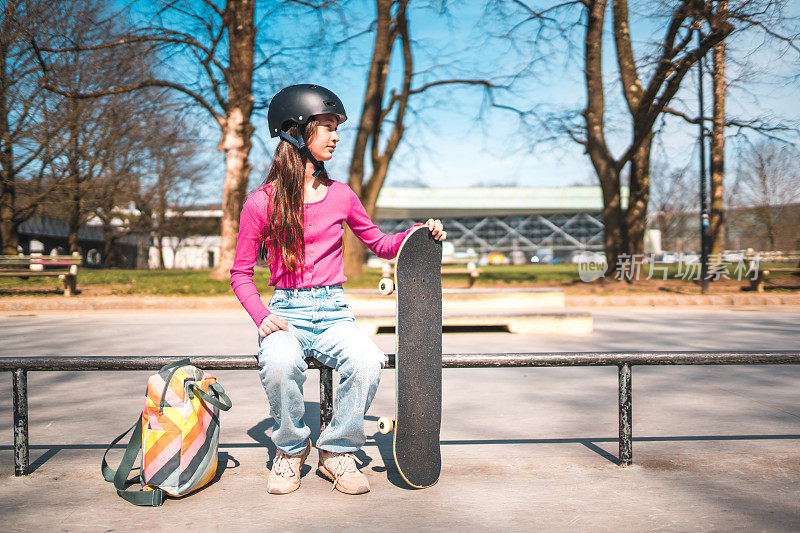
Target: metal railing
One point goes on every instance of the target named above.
(20, 366)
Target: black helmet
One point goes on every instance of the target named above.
(294, 106)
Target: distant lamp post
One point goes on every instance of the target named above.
(704, 237)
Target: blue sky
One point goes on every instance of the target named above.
(451, 143)
(446, 145)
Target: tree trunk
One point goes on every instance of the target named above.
(73, 223)
(8, 229)
(634, 221)
(237, 130)
(159, 221)
(355, 254)
(381, 161)
(74, 183)
(717, 164)
(160, 250)
(109, 260)
(369, 127)
(603, 162)
(9, 239)
(638, 197)
(613, 230)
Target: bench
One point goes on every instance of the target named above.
(759, 266)
(624, 361)
(25, 266)
(472, 271)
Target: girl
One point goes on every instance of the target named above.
(294, 222)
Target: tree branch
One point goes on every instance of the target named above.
(184, 39)
(540, 15)
(755, 125)
(395, 97)
(369, 30)
(128, 88)
(631, 85)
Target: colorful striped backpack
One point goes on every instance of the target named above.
(178, 434)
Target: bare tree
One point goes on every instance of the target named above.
(177, 171)
(118, 188)
(97, 133)
(647, 103)
(111, 193)
(757, 24)
(392, 26)
(768, 183)
(29, 126)
(93, 171)
(717, 161)
(673, 199)
(646, 98)
(220, 42)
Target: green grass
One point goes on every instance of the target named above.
(490, 275)
(142, 282)
(199, 283)
(514, 274)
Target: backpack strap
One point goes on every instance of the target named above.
(176, 364)
(221, 401)
(120, 477)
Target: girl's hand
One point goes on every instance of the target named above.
(437, 229)
(271, 324)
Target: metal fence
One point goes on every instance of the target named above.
(526, 232)
(624, 361)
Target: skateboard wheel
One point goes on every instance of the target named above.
(385, 425)
(386, 286)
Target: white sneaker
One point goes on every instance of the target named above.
(285, 474)
(342, 470)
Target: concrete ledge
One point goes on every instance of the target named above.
(364, 301)
(456, 300)
(84, 303)
(684, 299)
(555, 323)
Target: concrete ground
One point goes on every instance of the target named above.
(716, 448)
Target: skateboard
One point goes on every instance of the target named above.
(418, 361)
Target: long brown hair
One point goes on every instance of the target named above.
(286, 212)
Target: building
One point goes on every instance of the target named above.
(50, 236)
(195, 252)
(551, 223)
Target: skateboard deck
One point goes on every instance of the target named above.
(418, 360)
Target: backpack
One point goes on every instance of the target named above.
(177, 432)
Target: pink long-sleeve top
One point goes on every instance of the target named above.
(322, 229)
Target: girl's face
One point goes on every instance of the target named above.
(323, 140)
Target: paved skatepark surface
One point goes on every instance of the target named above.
(715, 448)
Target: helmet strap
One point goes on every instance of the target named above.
(300, 144)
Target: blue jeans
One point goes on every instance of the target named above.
(322, 326)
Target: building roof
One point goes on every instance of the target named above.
(407, 202)
(419, 202)
(48, 227)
